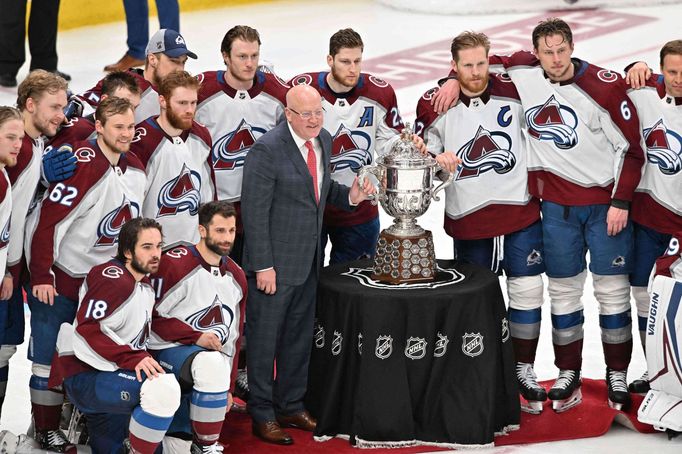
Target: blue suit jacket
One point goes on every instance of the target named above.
(282, 221)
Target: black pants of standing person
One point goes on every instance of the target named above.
(42, 35)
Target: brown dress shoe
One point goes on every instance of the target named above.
(124, 63)
(301, 420)
(271, 432)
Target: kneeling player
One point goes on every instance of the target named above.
(196, 324)
(103, 361)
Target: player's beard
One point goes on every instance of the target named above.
(470, 87)
(216, 248)
(150, 267)
(348, 82)
(112, 146)
(177, 121)
(244, 76)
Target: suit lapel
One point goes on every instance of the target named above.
(294, 154)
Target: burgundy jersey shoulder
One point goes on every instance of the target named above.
(110, 282)
(376, 89)
(426, 113)
(23, 159)
(201, 132)
(656, 81)
(502, 86)
(77, 129)
(174, 266)
(210, 84)
(92, 164)
(4, 186)
(600, 83)
(274, 86)
(132, 160)
(312, 79)
(238, 273)
(520, 58)
(148, 135)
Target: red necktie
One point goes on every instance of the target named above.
(312, 167)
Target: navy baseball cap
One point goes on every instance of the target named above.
(169, 42)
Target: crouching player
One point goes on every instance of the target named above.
(197, 320)
(662, 406)
(103, 360)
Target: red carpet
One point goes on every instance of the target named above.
(591, 418)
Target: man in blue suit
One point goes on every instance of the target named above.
(285, 188)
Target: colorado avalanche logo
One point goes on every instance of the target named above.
(180, 194)
(4, 235)
(486, 151)
(554, 122)
(302, 79)
(230, 150)
(140, 341)
(212, 319)
(110, 225)
(663, 148)
(350, 149)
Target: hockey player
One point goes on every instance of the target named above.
(238, 105)
(175, 150)
(103, 361)
(361, 113)
(41, 98)
(585, 161)
(661, 406)
(656, 206)
(201, 295)
(166, 52)
(74, 228)
(11, 137)
(490, 215)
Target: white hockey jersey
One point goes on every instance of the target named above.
(489, 194)
(657, 202)
(583, 133)
(112, 324)
(25, 178)
(362, 122)
(179, 178)
(235, 120)
(76, 225)
(194, 297)
(5, 218)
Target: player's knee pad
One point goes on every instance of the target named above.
(525, 292)
(211, 372)
(565, 293)
(6, 352)
(642, 300)
(40, 370)
(160, 396)
(612, 293)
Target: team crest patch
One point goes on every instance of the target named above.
(472, 344)
(505, 330)
(4, 236)
(618, 262)
(302, 79)
(381, 83)
(384, 347)
(110, 225)
(230, 150)
(534, 258)
(663, 148)
(415, 347)
(112, 272)
(607, 76)
(350, 149)
(125, 396)
(181, 193)
(337, 343)
(446, 276)
(213, 318)
(85, 154)
(487, 150)
(318, 336)
(441, 345)
(553, 122)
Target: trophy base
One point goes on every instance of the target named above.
(403, 259)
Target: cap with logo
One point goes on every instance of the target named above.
(169, 42)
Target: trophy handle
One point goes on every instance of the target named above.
(443, 185)
(363, 174)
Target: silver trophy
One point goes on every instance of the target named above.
(405, 251)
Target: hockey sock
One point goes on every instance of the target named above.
(525, 330)
(207, 413)
(46, 404)
(147, 430)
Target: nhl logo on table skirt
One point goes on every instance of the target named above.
(318, 337)
(505, 330)
(384, 347)
(472, 344)
(337, 343)
(415, 348)
(441, 345)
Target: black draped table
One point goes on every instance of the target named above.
(400, 365)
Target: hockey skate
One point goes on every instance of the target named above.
(619, 397)
(533, 395)
(23, 444)
(215, 448)
(641, 385)
(565, 392)
(53, 440)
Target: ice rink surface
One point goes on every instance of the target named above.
(410, 50)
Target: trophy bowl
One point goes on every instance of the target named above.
(405, 251)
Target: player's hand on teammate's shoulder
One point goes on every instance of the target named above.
(638, 74)
(446, 97)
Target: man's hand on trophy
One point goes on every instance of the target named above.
(419, 144)
(448, 161)
(360, 193)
